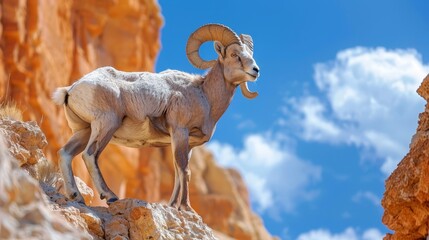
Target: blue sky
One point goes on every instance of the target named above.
(336, 108)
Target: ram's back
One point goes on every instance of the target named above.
(145, 103)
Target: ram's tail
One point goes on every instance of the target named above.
(60, 96)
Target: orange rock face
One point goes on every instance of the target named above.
(48, 44)
(405, 202)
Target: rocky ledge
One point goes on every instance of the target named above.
(32, 206)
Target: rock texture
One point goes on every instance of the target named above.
(47, 44)
(25, 141)
(24, 209)
(131, 219)
(405, 202)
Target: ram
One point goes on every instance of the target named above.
(155, 109)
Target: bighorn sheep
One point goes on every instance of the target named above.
(155, 109)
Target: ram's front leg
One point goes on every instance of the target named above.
(181, 153)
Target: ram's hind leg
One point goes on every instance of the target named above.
(74, 146)
(102, 131)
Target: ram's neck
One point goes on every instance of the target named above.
(218, 91)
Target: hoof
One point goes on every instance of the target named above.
(174, 205)
(73, 195)
(187, 208)
(112, 200)
(77, 198)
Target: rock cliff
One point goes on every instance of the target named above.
(405, 201)
(47, 44)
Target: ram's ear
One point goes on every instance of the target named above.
(219, 48)
(248, 41)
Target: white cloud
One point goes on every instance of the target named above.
(369, 196)
(368, 99)
(348, 234)
(372, 234)
(316, 126)
(274, 175)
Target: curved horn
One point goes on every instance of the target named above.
(245, 91)
(209, 32)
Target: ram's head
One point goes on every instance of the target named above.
(235, 53)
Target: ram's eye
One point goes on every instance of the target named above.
(234, 55)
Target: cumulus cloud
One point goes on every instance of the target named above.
(367, 98)
(348, 234)
(277, 179)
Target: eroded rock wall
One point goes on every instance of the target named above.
(405, 201)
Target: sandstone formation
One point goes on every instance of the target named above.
(47, 44)
(405, 202)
